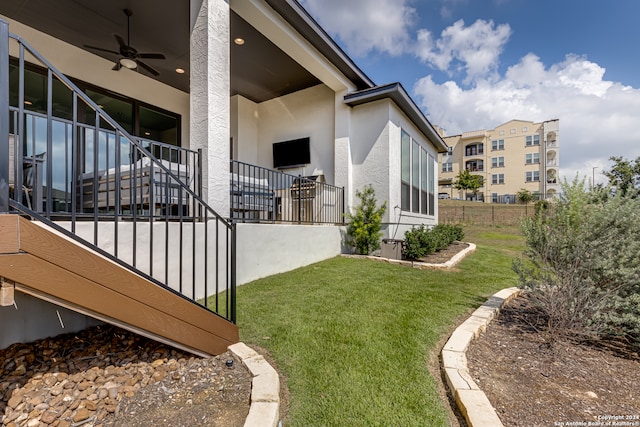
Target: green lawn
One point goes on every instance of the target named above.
(352, 336)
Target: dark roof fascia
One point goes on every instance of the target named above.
(304, 24)
(401, 98)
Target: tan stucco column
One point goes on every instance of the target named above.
(209, 100)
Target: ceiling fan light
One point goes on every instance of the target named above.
(128, 63)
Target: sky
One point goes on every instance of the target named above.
(476, 64)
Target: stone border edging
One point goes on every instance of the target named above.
(422, 265)
(265, 388)
(472, 401)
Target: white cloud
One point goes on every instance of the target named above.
(366, 25)
(474, 49)
(598, 118)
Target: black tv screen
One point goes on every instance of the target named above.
(291, 153)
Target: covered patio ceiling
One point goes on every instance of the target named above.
(259, 69)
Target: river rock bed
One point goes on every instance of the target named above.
(92, 377)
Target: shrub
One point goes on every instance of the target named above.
(421, 241)
(363, 230)
(582, 267)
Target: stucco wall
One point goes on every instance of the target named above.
(306, 113)
(376, 153)
(267, 249)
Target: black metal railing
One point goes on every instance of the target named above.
(264, 195)
(136, 202)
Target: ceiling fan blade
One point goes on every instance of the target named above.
(120, 40)
(117, 66)
(101, 49)
(148, 68)
(151, 56)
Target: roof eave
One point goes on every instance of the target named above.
(401, 98)
(304, 24)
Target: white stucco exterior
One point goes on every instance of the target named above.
(283, 247)
(210, 110)
(376, 161)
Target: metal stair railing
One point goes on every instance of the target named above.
(106, 190)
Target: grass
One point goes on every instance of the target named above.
(353, 336)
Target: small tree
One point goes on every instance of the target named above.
(524, 196)
(466, 181)
(363, 230)
(624, 176)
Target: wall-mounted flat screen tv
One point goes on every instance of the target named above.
(288, 154)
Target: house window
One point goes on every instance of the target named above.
(415, 177)
(497, 178)
(474, 165)
(532, 176)
(497, 145)
(423, 181)
(432, 184)
(532, 158)
(474, 150)
(406, 172)
(531, 140)
(418, 177)
(447, 167)
(137, 118)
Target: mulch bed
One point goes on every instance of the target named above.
(532, 383)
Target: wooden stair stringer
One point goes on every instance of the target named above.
(52, 267)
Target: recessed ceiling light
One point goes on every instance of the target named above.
(28, 103)
(179, 70)
(147, 133)
(239, 41)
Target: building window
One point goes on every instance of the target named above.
(418, 177)
(497, 178)
(474, 165)
(494, 197)
(512, 130)
(415, 177)
(497, 162)
(447, 167)
(474, 150)
(406, 172)
(497, 144)
(423, 181)
(532, 140)
(525, 129)
(431, 184)
(532, 158)
(532, 176)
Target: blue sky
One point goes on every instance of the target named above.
(475, 64)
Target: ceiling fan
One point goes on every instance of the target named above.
(129, 57)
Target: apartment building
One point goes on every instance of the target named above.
(516, 155)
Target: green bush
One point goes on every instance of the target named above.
(363, 230)
(421, 241)
(582, 268)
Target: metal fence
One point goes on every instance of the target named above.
(134, 201)
(264, 195)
